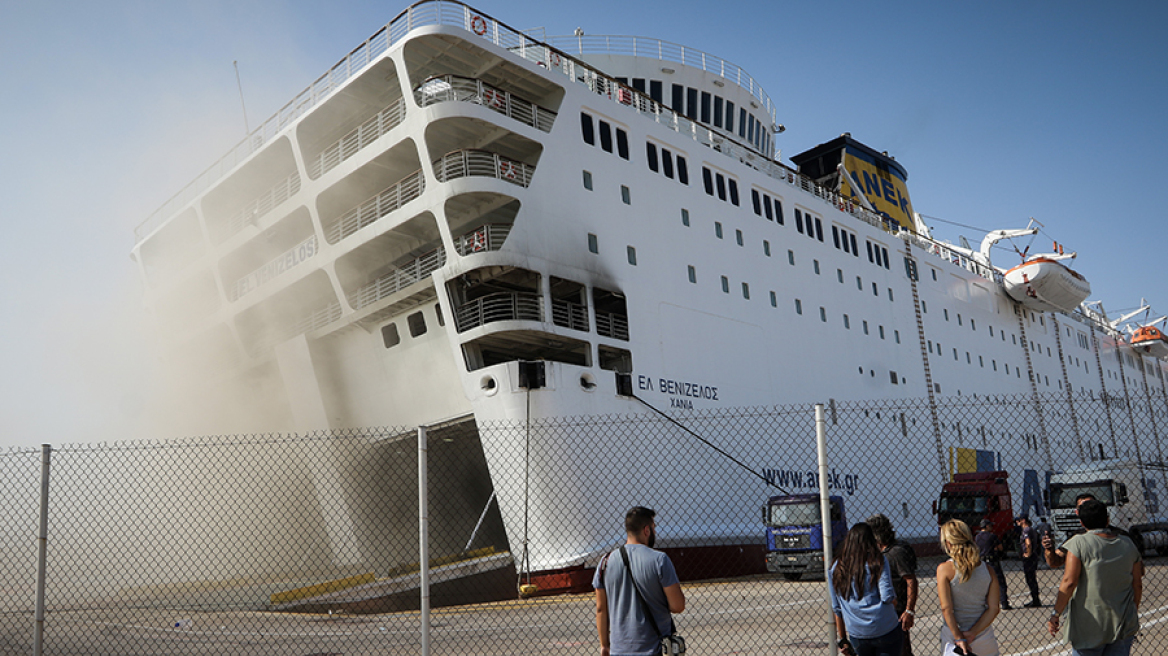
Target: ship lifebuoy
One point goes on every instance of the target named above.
(507, 170)
(790, 177)
(493, 98)
(478, 24)
(555, 59)
(479, 242)
(624, 96)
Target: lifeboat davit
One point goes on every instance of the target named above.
(1043, 283)
(1149, 341)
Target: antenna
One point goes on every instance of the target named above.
(246, 128)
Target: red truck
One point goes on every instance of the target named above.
(976, 496)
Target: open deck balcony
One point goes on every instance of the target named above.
(499, 306)
(470, 162)
(447, 88)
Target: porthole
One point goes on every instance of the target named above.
(489, 386)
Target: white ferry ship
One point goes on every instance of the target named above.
(461, 223)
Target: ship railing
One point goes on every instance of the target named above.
(399, 278)
(500, 306)
(443, 88)
(290, 258)
(250, 213)
(464, 163)
(570, 315)
(302, 324)
(361, 136)
(612, 325)
(489, 237)
(637, 46)
(962, 260)
(389, 200)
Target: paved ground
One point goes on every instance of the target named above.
(757, 615)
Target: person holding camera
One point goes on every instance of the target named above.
(632, 582)
(968, 590)
(862, 598)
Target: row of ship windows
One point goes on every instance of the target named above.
(706, 107)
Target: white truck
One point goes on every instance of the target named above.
(1130, 490)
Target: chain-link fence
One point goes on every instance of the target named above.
(310, 544)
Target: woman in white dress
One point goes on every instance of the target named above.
(969, 595)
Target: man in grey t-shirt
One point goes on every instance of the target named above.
(620, 616)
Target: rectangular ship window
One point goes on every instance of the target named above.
(708, 181)
(746, 290)
(682, 171)
(692, 273)
(667, 163)
(766, 205)
(622, 143)
(593, 245)
(725, 284)
(389, 335)
(587, 130)
(626, 196)
(766, 247)
(651, 156)
(685, 217)
(718, 229)
(774, 300)
(588, 180)
(417, 324)
(605, 136)
(632, 255)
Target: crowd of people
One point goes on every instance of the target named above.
(873, 587)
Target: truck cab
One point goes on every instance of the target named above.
(794, 535)
(974, 496)
(1123, 487)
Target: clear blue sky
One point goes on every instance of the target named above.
(999, 111)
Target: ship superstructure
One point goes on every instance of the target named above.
(461, 223)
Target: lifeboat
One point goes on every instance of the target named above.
(1149, 341)
(1043, 283)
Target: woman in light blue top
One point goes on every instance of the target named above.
(968, 590)
(862, 597)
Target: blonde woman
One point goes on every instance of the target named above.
(969, 594)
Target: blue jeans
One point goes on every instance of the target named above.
(1117, 648)
(885, 645)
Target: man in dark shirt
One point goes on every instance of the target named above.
(992, 550)
(1028, 548)
(902, 562)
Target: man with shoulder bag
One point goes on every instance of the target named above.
(636, 591)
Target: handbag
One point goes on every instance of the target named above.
(672, 644)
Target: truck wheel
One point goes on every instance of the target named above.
(792, 576)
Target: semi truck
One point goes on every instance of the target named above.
(974, 496)
(1126, 487)
(794, 533)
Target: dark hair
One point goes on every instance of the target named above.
(1085, 495)
(637, 518)
(882, 529)
(859, 555)
(1093, 514)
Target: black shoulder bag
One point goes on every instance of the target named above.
(672, 644)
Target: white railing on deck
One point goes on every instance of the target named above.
(444, 88)
(962, 260)
(464, 163)
(363, 135)
(639, 46)
(304, 323)
(569, 314)
(278, 265)
(489, 237)
(249, 214)
(435, 12)
(399, 278)
(612, 325)
(387, 201)
(500, 306)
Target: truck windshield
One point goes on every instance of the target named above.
(962, 504)
(795, 514)
(1062, 495)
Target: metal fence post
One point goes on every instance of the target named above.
(42, 550)
(424, 539)
(825, 518)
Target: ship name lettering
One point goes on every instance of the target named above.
(692, 390)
